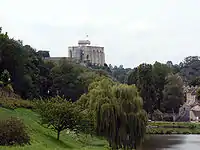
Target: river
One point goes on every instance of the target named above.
(171, 142)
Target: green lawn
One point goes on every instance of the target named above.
(45, 139)
(174, 128)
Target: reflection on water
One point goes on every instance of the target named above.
(172, 142)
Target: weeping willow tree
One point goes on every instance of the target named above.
(117, 112)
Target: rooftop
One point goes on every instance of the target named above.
(84, 42)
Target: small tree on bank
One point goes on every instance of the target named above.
(58, 114)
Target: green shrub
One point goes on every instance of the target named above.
(12, 132)
(12, 103)
(192, 126)
(186, 132)
(157, 115)
(170, 131)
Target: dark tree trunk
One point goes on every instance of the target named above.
(58, 135)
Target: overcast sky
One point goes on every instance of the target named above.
(132, 31)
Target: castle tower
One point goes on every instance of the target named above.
(85, 52)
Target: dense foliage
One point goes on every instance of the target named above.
(160, 72)
(173, 93)
(58, 114)
(150, 80)
(23, 64)
(120, 73)
(13, 132)
(32, 77)
(13, 103)
(117, 112)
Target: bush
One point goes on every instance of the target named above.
(169, 131)
(12, 132)
(192, 126)
(186, 132)
(167, 118)
(157, 115)
(12, 103)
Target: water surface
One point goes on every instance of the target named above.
(172, 142)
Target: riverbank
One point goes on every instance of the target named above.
(173, 128)
(45, 139)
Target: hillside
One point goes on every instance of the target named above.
(45, 139)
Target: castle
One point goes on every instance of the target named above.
(83, 53)
(86, 53)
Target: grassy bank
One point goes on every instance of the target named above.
(45, 139)
(173, 128)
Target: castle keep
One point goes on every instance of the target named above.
(84, 52)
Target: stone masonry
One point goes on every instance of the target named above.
(84, 52)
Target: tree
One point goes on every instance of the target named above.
(150, 81)
(146, 86)
(169, 64)
(58, 114)
(173, 93)
(160, 72)
(133, 77)
(189, 68)
(43, 54)
(72, 80)
(22, 62)
(177, 68)
(143, 77)
(110, 66)
(195, 81)
(116, 110)
(120, 73)
(87, 78)
(66, 80)
(190, 59)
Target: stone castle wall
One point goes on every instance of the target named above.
(86, 52)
